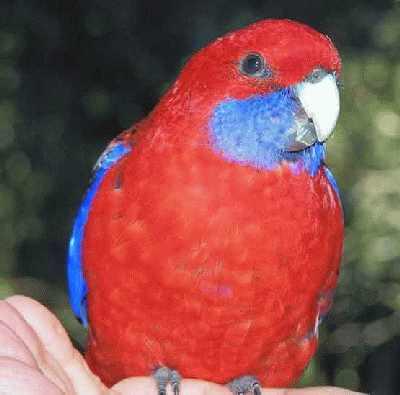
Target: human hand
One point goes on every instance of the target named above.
(37, 357)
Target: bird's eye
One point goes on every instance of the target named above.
(253, 65)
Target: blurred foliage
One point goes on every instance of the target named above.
(72, 74)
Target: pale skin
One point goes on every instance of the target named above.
(37, 357)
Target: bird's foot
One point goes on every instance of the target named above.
(245, 385)
(164, 376)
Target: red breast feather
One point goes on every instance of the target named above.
(212, 268)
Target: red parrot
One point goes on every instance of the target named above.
(209, 242)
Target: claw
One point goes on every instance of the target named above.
(257, 389)
(175, 389)
(164, 376)
(245, 385)
(175, 380)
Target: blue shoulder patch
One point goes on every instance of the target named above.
(76, 282)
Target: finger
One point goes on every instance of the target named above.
(66, 362)
(19, 378)
(20, 342)
(17, 339)
(45, 360)
(13, 347)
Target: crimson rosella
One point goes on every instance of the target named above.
(209, 241)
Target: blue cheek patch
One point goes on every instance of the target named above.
(77, 286)
(255, 131)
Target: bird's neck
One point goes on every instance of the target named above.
(182, 119)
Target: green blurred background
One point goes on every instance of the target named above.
(73, 74)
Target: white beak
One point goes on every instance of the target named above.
(320, 101)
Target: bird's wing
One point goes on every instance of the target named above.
(77, 286)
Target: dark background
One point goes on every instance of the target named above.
(73, 74)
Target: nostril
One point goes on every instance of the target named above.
(316, 75)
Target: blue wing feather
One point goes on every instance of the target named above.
(77, 286)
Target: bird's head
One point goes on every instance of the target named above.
(266, 93)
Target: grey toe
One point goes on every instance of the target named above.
(164, 376)
(245, 385)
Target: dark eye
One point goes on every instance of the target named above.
(253, 65)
